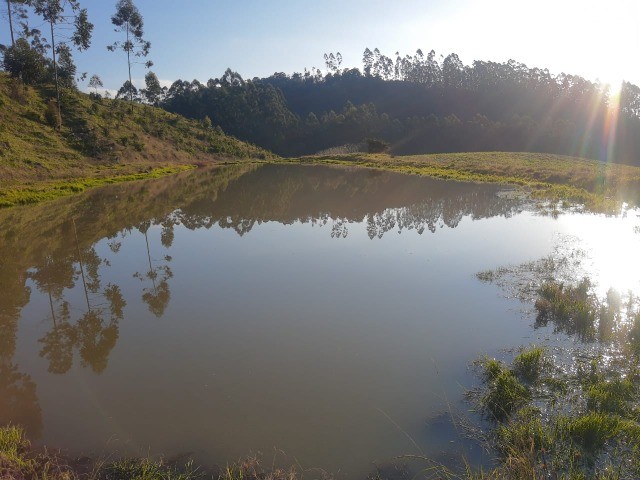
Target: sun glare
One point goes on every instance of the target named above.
(611, 246)
(615, 87)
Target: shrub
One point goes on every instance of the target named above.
(376, 146)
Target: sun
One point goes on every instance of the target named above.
(614, 87)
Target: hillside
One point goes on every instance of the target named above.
(100, 141)
(421, 105)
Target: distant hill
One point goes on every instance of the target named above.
(420, 104)
(99, 137)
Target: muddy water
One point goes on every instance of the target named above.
(327, 313)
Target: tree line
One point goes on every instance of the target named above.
(419, 104)
(414, 103)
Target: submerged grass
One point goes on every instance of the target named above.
(573, 415)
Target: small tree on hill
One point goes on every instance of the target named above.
(95, 82)
(375, 145)
(153, 93)
(22, 61)
(128, 20)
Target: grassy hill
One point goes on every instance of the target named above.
(100, 141)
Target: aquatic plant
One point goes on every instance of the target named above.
(146, 469)
(505, 394)
(529, 364)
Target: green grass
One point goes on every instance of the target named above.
(613, 396)
(557, 178)
(504, 396)
(13, 447)
(569, 416)
(572, 308)
(101, 142)
(48, 191)
(529, 364)
(18, 461)
(145, 469)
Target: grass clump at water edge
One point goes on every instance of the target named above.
(25, 195)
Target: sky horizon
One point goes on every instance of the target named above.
(593, 39)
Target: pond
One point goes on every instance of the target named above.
(325, 313)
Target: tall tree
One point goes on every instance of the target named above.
(128, 20)
(54, 12)
(15, 10)
(10, 15)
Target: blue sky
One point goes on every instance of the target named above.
(201, 38)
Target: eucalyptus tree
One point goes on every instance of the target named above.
(95, 82)
(15, 11)
(154, 91)
(333, 62)
(63, 14)
(10, 16)
(128, 20)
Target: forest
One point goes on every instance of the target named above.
(407, 104)
(420, 104)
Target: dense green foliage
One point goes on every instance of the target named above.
(420, 104)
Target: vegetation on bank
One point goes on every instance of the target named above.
(568, 414)
(101, 141)
(23, 195)
(597, 185)
(19, 461)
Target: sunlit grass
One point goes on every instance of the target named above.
(47, 191)
(543, 176)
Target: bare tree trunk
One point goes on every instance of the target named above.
(55, 70)
(151, 272)
(13, 41)
(53, 312)
(84, 282)
(129, 65)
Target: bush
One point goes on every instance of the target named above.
(52, 114)
(376, 146)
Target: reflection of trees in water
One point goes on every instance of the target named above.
(18, 396)
(384, 201)
(40, 244)
(158, 295)
(95, 332)
(340, 228)
(60, 257)
(18, 399)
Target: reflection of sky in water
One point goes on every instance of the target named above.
(611, 247)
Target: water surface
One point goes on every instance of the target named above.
(328, 313)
